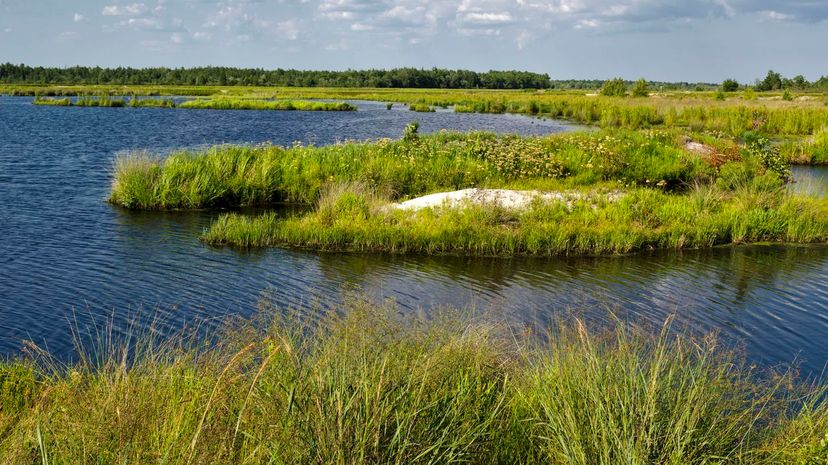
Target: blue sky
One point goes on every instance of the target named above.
(688, 40)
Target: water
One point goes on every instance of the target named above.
(811, 180)
(69, 258)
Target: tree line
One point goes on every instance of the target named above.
(225, 76)
(434, 78)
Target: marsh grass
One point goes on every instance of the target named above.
(641, 219)
(251, 104)
(57, 102)
(421, 108)
(365, 384)
(811, 151)
(243, 176)
(137, 102)
(82, 101)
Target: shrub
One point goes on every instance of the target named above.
(614, 88)
(770, 157)
(640, 88)
(730, 85)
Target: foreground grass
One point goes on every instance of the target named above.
(353, 220)
(366, 385)
(242, 176)
(249, 104)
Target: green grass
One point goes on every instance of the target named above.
(355, 220)
(243, 176)
(136, 102)
(365, 385)
(421, 108)
(249, 104)
(810, 151)
(82, 101)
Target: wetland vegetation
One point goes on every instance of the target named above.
(636, 190)
(365, 384)
(250, 104)
(104, 100)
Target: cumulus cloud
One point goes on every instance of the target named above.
(77, 17)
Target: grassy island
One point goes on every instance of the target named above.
(250, 104)
(374, 387)
(105, 100)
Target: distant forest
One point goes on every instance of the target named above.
(393, 78)
(223, 76)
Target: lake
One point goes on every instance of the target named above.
(69, 258)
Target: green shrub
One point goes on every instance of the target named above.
(640, 88)
(730, 85)
(614, 88)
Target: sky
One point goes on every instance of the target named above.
(669, 40)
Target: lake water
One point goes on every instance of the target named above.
(67, 257)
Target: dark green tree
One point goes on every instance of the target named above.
(730, 85)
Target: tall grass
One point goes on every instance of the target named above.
(233, 176)
(421, 108)
(136, 102)
(641, 219)
(82, 101)
(57, 102)
(366, 385)
(249, 104)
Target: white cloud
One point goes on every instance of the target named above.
(523, 38)
(775, 15)
(488, 18)
(135, 9)
(78, 17)
(176, 38)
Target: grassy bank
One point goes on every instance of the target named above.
(374, 387)
(352, 220)
(250, 104)
(242, 176)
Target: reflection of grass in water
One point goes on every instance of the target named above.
(366, 385)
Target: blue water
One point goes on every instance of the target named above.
(68, 258)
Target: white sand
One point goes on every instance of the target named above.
(505, 198)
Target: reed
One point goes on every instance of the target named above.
(365, 385)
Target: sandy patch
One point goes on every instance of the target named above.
(511, 199)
